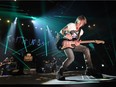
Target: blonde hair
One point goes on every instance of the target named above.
(81, 17)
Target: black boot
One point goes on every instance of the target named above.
(59, 74)
(90, 71)
(94, 73)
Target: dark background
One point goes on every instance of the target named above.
(101, 13)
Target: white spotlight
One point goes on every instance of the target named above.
(22, 24)
(41, 28)
(15, 20)
(28, 25)
(33, 21)
(102, 65)
(94, 25)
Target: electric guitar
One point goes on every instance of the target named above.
(63, 43)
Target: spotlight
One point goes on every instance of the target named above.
(15, 20)
(76, 67)
(28, 25)
(94, 25)
(102, 65)
(8, 21)
(22, 24)
(89, 26)
(33, 21)
(35, 27)
(41, 28)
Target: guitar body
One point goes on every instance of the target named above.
(59, 44)
(64, 43)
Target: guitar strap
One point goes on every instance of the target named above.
(78, 35)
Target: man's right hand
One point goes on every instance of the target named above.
(68, 36)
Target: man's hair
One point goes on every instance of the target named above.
(81, 17)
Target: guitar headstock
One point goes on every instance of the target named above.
(99, 41)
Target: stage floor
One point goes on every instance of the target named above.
(72, 78)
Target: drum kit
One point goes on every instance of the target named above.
(49, 66)
(7, 66)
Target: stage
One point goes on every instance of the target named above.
(48, 79)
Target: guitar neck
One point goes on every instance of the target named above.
(88, 41)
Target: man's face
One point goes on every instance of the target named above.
(82, 23)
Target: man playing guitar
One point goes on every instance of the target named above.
(71, 42)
